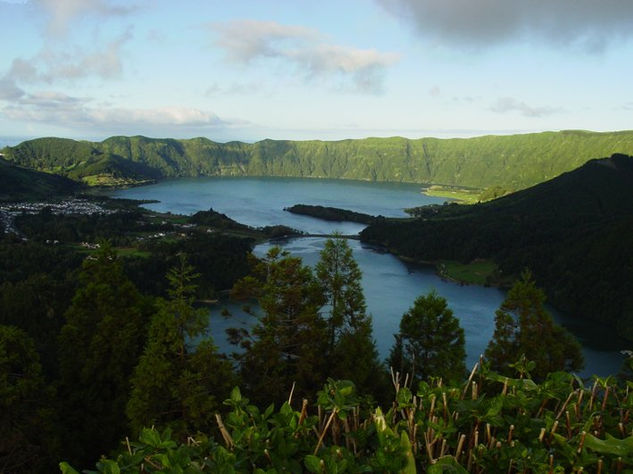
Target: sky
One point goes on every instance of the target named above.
(304, 69)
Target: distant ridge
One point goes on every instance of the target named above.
(510, 161)
(574, 232)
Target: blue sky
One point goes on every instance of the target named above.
(249, 70)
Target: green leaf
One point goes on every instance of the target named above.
(313, 463)
(610, 445)
(406, 447)
(236, 395)
(67, 468)
(404, 396)
(108, 466)
(446, 464)
(150, 437)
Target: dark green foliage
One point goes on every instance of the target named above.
(176, 383)
(220, 259)
(27, 440)
(430, 342)
(19, 260)
(37, 285)
(37, 305)
(289, 341)
(279, 231)
(573, 232)
(493, 192)
(99, 347)
(118, 169)
(330, 213)
(216, 220)
(19, 184)
(513, 162)
(490, 423)
(523, 326)
(351, 352)
(115, 227)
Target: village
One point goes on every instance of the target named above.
(9, 211)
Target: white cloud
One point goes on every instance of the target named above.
(105, 63)
(235, 88)
(49, 100)
(308, 51)
(50, 65)
(61, 13)
(9, 90)
(77, 113)
(172, 116)
(245, 40)
(590, 24)
(509, 104)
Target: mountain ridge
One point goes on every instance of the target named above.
(511, 161)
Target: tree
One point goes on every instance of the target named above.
(37, 305)
(351, 351)
(430, 342)
(99, 346)
(288, 342)
(178, 382)
(523, 326)
(27, 441)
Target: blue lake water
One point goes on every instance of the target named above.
(259, 202)
(390, 284)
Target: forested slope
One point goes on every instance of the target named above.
(19, 183)
(574, 232)
(513, 162)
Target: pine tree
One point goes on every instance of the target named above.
(430, 342)
(179, 382)
(289, 340)
(99, 346)
(351, 352)
(27, 441)
(523, 326)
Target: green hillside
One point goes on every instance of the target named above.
(22, 184)
(511, 162)
(573, 232)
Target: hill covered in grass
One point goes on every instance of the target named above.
(574, 233)
(510, 162)
(17, 183)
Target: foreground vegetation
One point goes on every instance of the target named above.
(490, 423)
(495, 162)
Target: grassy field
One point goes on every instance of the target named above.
(476, 272)
(107, 180)
(461, 195)
(121, 251)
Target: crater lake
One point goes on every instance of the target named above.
(390, 285)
